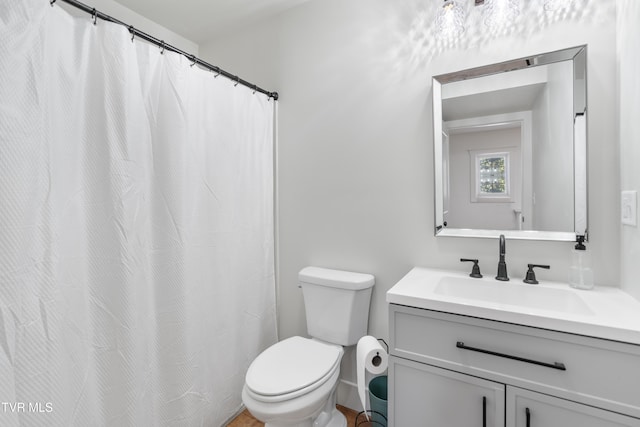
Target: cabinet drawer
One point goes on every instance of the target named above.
(597, 372)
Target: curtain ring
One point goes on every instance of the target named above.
(162, 47)
(193, 58)
(132, 31)
(237, 81)
(255, 88)
(51, 2)
(218, 70)
(94, 14)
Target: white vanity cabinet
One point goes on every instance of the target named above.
(529, 409)
(426, 395)
(442, 365)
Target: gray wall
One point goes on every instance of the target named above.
(489, 215)
(553, 152)
(355, 139)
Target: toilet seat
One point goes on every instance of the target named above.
(291, 368)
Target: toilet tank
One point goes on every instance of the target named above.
(337, 304)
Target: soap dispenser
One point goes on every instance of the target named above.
(580, 272)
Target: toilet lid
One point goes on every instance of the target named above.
(291, 365)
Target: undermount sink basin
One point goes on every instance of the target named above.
(514, 294)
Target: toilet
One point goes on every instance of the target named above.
(294, 382)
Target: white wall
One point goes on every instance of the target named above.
(487, 215)
(629, 133)
(126, 15)
(553, 151)
(355, 139)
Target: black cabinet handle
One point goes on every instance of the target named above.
(528, 415)
(554, 365)
(484, 411)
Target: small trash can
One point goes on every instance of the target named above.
(378, 401)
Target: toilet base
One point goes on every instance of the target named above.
(336, 419)
(329, 416)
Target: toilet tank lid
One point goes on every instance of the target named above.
(336, 278)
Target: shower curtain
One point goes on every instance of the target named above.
(136, 228)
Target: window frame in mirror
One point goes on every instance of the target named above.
(578, 57)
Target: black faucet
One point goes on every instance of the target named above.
(475, 271)
(530, 278)
(502, 265)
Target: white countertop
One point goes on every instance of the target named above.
(604, 312)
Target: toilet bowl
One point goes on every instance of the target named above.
(293, 383)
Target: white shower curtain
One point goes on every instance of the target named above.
(136, 228)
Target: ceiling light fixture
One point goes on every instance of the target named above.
(450, 20)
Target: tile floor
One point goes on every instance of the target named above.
(246, 420)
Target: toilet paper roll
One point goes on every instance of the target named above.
(370, 357)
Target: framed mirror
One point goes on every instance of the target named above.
(510, 148)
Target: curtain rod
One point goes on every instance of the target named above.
(165, 46)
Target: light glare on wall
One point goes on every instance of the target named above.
(551, 5)
(451, 16)
(499, 13)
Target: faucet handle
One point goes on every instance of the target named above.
(475, 271)
(531, 275)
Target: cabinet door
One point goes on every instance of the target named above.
(423, 395)
(529, 409)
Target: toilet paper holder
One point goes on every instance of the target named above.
(377, 360)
